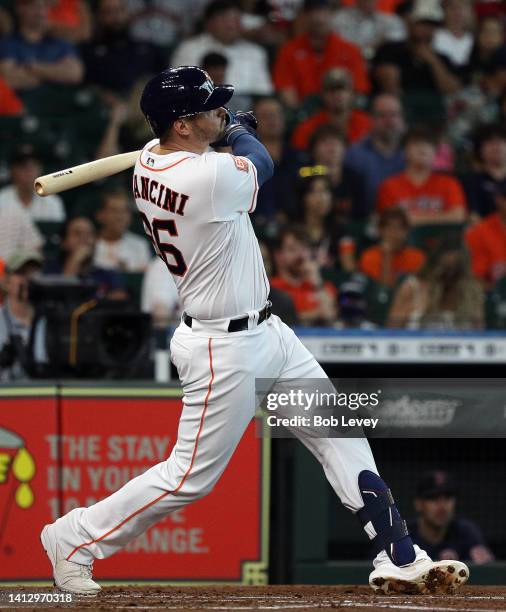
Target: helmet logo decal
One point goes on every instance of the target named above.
(208, 86)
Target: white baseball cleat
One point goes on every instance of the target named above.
(68, 576)
(421, 576)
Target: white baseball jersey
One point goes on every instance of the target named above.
(195, 210)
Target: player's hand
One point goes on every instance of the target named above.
(234, 122)
(247, 118)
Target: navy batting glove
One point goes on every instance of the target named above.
(247, 119)
(236, 122)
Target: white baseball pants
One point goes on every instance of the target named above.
(217, 371)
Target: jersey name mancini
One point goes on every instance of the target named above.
(159, 194)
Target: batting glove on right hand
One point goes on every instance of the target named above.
(237, 122)
(248, 119)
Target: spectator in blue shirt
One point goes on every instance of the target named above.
(30, 57)
(437, 530)
(378, 155)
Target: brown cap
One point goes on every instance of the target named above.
(427, 10)
(19, 259)
(337, 77)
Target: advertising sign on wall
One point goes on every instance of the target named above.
(73, 446)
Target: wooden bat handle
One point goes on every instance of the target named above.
(84, 173)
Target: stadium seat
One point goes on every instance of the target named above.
(426, 106)
(378, 298)
(359, 230)
(428, 237)
(495, 306)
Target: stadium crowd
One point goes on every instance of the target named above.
(386, 120)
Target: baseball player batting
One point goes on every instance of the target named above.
(195, 205)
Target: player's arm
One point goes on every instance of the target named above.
(246, 145)
(239, 175)
(240, 136)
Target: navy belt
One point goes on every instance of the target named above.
(241, 324)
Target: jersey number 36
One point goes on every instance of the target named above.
(178, 265)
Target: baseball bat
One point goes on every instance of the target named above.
(84, 173)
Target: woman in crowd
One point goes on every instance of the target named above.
(443, 295)
(317, 213)
(315, 208)
(488, 41)
(327, 148)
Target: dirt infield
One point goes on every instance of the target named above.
(297, 598)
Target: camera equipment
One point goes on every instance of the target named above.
(7, 355)
(75, 334)
(13, 353)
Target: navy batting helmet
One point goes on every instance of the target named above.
(180, 92)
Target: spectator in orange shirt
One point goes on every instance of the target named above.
(427, 196)
(303, 60)
(387, 261)
(337, 96)
(487, 243)
(298, 275)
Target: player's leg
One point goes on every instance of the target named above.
(219, 402)
(350, 468)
